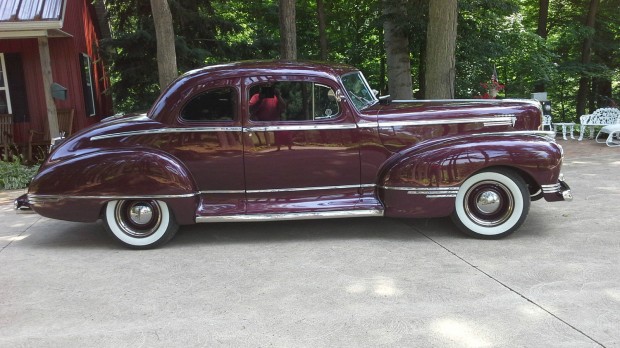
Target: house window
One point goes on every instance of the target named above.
(5, 97)
(87, 84)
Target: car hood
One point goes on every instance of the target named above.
(452, 109)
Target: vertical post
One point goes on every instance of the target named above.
(46, 68)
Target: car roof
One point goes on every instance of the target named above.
(267, 67)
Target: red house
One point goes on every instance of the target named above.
(49, 61)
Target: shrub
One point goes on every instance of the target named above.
(15, 175)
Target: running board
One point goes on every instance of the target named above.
(292, 216)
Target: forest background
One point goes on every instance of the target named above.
(568, 48)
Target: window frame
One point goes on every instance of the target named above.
(189, 99)
(261, 80)
(5, 89)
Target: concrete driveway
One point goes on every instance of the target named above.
(345, 283)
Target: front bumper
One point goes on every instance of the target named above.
(557, 192)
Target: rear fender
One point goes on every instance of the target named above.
(77, 188)
(423, 180)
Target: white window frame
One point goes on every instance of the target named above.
(5, 89)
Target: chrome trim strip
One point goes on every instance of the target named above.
(167, 131)
(429, 192)
(55, 198)
(312, 188)
(291, 189)
(528, 132)
(207, 192)
(300, 127)
(368, 125)
(292, 216)
(489, 120)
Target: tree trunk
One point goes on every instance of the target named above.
(320, 12)
(440, 49)
(166, 52)
(397, 51)
(586, 56)
(543, 15)
(288, 30)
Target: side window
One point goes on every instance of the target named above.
(214, 105)
(292, 101)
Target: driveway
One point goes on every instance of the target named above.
(347, 283)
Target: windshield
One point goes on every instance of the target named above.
(360, 94)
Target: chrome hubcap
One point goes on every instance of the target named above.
(138, 219)
(141, 214)
(488, 202)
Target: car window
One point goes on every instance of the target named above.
(292, 101)
(214, 105)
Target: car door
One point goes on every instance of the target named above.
(208, 140)
(301, 150)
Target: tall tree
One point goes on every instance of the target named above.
(288, 30)
(586, 57)
(320, 13)
(440, 49)
(166, 52)
(397, 50)
(541, 30)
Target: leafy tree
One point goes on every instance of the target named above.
(504, 34)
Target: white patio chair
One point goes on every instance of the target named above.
(611, 131)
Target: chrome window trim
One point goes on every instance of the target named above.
(166, 131)
(292, 216)
(300, 127)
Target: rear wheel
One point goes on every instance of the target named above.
(140, 224)
(491, 204)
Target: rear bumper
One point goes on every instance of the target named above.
(22, 205)
(557, 192)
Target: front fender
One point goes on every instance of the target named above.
(423, 180)
(76, 188)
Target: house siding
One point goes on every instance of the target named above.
(79, 22)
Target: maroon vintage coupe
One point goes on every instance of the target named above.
(256, 141)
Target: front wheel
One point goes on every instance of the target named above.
(140, 224)
(491, 204)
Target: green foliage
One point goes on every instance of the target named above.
(491, 33)
(14, 175)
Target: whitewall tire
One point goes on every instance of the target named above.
(140, 224)
(491, 204)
